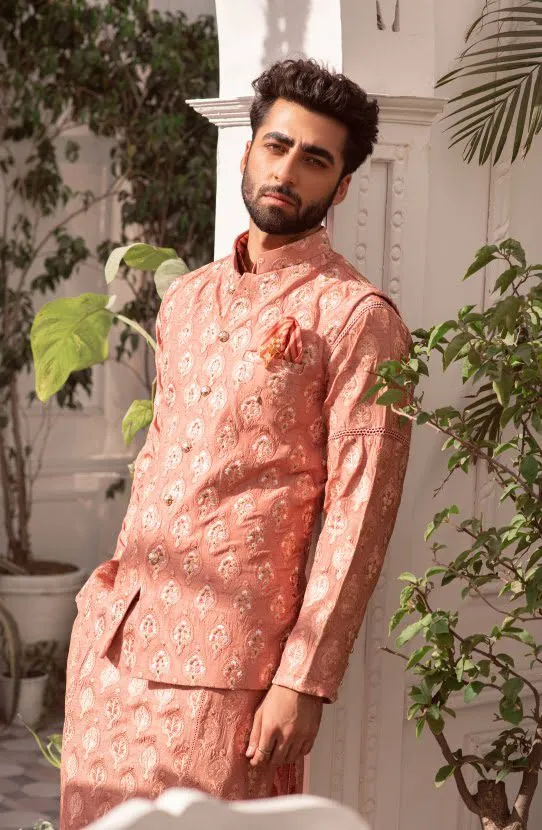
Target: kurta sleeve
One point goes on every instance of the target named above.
(367, 455)
(146, 453)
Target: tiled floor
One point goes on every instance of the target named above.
(29, 785)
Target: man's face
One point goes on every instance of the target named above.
(297, 154)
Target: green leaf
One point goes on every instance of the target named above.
(114, 260)
(472, 690)
(506, 279)
(167, 272)
(443, 774)
(148, 257)
(417, 656)
(410, 631)
(421, 694)
(512, 688)
(396, 619)
(372, 390)
(67, 335)
(406, 576)
(454, 347)
(512, 104)
(484, 256)
(137, 255)
(439, 626)
(522, 115)
(389, 397)
(503, 386)
(437, 569)
(435, 724)
(504, 85)
(138, 416)
(439, 332)
(527, 638)
(515, 249)
(511, 712)
(528, 468)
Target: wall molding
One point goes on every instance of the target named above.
(395, 157)
(376, 637)
(403, 109)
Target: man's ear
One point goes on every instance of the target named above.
(245, 155)
(342, 190)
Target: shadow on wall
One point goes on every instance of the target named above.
(286, 25)
(387, 14)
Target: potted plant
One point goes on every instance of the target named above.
(34, 670)
(500, 353)
(37, 254)
(131, 59)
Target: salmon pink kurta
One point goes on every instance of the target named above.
(242, 452)
(258, 423)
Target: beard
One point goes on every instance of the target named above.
(282, 221)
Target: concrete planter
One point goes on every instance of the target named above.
(43, 604)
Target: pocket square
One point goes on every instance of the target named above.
(283, 341)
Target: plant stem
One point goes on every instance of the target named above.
(23, 516)
(140, 330)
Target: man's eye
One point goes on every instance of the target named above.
(273, 146)
(316, 161)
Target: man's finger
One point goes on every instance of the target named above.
(294, 752)
(266, 742)
(281, 751)
(253, 741)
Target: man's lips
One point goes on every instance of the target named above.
(278, 197)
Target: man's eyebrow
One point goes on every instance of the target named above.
(312, 149)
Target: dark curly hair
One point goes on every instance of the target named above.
(305, 82)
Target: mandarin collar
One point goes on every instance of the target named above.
(293, 253)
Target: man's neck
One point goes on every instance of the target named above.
(259, 242)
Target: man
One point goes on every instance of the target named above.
(201, 656)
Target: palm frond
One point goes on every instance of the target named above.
(509, 104)
(488, 15)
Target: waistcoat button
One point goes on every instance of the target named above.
(169, 500)
(223, 336)
(154, 557)
(205, 390)
(186, 446)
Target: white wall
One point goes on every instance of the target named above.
(413, 219)
(192, 8)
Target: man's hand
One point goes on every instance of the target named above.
(285, 724)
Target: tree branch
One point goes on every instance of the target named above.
(464, 791)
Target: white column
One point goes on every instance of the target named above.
(382, 228)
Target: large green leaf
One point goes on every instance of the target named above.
(168, 271)
(137, 255)
(138, 417)
(67, 335)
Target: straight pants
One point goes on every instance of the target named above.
(124, 737)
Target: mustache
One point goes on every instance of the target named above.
(278, 192)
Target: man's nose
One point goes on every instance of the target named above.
(285, 170)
